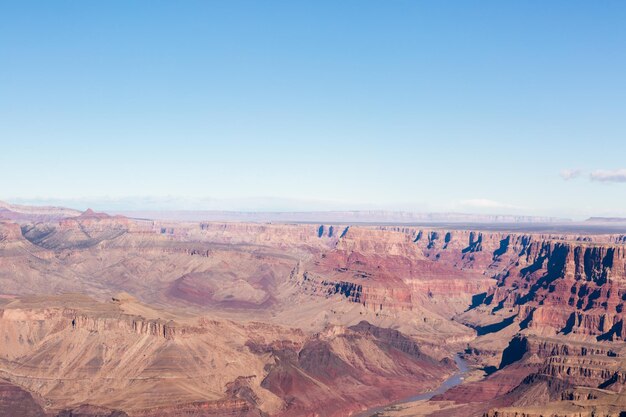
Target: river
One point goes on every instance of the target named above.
(452, 381)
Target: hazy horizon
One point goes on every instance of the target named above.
(145, 205)
(287, 205)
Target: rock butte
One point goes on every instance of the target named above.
(110, 316)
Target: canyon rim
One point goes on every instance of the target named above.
(312, 209)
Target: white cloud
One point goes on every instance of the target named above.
(615, 175)
(486, 204)
(568, 174)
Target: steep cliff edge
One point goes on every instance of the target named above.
(105, 359)
(387, 270)
(541, 314)
(566, 287)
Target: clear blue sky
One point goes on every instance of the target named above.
(465, 106)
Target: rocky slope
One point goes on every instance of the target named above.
(248, 319)
(70, 351)
(387, 273)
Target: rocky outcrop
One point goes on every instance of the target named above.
(387, 271)
(572, 402)
(223, 408)
(10, 232)
(572, 411)
(317, 284)
(87, 410)
(75, 320)
(523, 345)
(568, 287)
(301, 374)
(75, 233)
(136, 325)
(538, 374)
(286, 235)
(16, 402)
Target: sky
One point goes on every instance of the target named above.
(513, 107)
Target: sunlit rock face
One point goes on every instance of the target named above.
(109, 316)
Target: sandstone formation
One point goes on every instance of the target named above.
(110, 316)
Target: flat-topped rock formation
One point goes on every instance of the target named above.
(107, 314)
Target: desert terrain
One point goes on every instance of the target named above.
(112, 315)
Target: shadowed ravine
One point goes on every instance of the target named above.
(453, 381)
(133, 316)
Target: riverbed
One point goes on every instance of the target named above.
(452, 381)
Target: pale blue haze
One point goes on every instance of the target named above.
(464, 106)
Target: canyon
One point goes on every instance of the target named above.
(108, 315)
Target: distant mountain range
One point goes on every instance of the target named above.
(375, 216)
(606, 220)
(18, 212)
